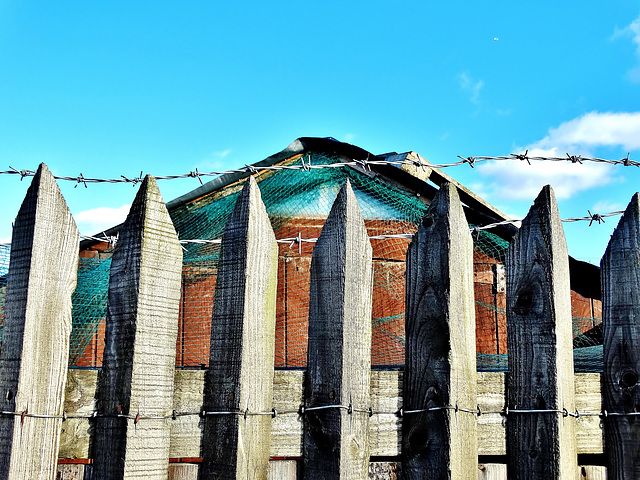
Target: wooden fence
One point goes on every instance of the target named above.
(339, 419)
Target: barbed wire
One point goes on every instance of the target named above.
(418, 162)
(525, 157)
(251, 169)
(307, 165)
(299, 240)
(303, 410)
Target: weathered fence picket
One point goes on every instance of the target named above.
(240, 412)
(239, 382)
(135, 391)
(439, 423)
(37, 324)
(621, 318)
(336, 398)
(540, 426)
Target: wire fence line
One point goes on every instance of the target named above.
(299, 240)
(306, 165)
(525, 157)
(302, 410)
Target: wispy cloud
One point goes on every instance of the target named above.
(215, 161)
(580, 136)
(471, 86)
(96, 220)
(631, 31)
(605, 206)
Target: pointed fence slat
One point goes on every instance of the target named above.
(336, 439)
(620, 276)
(239, 382)
(539, 344)
(137, 378)
(440, 355)
(37, 324)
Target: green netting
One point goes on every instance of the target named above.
(298, 202)
(585, 360)
(89, 306)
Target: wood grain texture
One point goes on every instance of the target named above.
(37, 323)
(283, 470)
(336, 441)
(539, 342)
(286, 430)
(183, 471)
(240, 374)
(492, 471)
(620, 278)
(589, 428)
(140, 343)
(186, 430)
(592, 472)
(440, 355)
(79, 400)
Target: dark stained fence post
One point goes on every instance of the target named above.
(539, 344)
(35, 343)
(135, 390)
(238, 387)
(620, 276)
(440, 355)
(336, 397)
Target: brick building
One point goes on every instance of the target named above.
(393, 199)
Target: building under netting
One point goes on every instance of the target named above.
(298, 187)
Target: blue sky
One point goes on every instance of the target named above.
(114, 88)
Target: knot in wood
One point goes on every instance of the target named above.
(628, 379)
(524, 302)
(427, 221)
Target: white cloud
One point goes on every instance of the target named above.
(632, 30)
(605, 206)
(349, 137)
(471, 86)
(519, 180)
(96, 220)
(222, 153)
(580, 136)
(595, 129)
